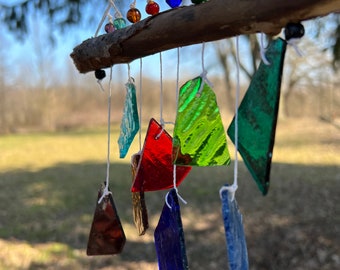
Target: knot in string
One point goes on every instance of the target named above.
(106, 192)
(263, 50)
(231, 190)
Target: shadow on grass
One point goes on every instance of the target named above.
(296, 226)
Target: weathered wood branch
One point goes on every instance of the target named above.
(213, 20)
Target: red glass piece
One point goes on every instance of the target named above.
(106, 236)
(133, 15)
(152, 8)
(140, 212)
(155, 168)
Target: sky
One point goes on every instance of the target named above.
(37, 54)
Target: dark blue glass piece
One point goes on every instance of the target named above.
(236, 242)
(169, 237)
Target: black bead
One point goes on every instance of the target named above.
(294, 30)
(100, 74)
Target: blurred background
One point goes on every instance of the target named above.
(53, 145)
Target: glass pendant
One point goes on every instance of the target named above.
(155, 168)
(199, 135)
(140, 213)
(257, 116)
(236, 242)
(130, 121)
(169, 236)
(106, 236)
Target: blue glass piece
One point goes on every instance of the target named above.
(236, 242)
(130, 121)
(174, 3)
(169, 237)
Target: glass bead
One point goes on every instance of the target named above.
(140, 212)
(152, 8)
(234, 232)
(169, 236)
(133, 15)
(155, 168)
(100, 74)
(106, 236)
(109, 28)
(130, 122)
(174, 3)
(199, 135)
(257, 116)
(119, 23)
(196, 2)
(294, 30)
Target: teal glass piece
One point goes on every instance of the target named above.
(234, 232)
(199, 135)
(257, 116)
(130, 121)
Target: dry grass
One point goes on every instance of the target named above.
(49, 182)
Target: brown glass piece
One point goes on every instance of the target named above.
(106, 236)
(140, 212)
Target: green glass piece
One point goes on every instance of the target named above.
(257, 116)
(199, 136)
(119, 23)
(130, 121)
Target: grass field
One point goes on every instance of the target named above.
(49, 185)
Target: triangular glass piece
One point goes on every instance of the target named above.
(130, 121)
(169, 236)
(155, 168)
(106, 236)
(257, 116)
(140, 212)
(236, 242)
(199, 135)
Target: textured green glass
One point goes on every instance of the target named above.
(199, 136)
(257, 116)
(130, 121)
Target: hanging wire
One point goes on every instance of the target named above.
(106, 191)
(140, 103)
(232, 189)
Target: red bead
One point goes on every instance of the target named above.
(152, 8)
(133, 15)
(109, 28)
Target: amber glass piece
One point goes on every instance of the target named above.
(140, 212)
(234, 232)
(169, 236)
(106, 236)
(199, 135)
(155, 168)
(257, 116)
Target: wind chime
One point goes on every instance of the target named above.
(199, 139)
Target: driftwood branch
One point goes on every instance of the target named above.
(213, 20)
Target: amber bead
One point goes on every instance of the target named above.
(133, 15)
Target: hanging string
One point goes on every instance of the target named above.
(263, 50)
(106, 191)
(232, 189)
(133, 4)
(204, 73)
(107, 14)
(140, 103)
(294, 43)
